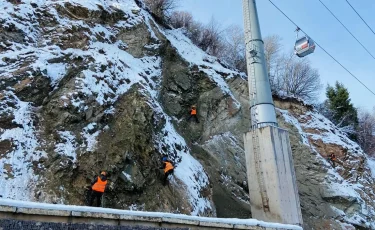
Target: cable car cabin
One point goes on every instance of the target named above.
(304, 46)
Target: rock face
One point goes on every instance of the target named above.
(80, 94)
(86, 87)
(331, 198)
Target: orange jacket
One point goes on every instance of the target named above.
(100, 185)
(168, 166)
(333, 157)
(193, 111)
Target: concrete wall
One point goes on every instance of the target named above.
(270, 171)
(74, 214)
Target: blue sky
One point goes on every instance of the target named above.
(313, 18)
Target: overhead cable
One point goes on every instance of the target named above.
(360, 17)
(322, 48)
(347, 30)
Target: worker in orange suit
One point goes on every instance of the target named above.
(168, 168)
(333, 159)
(193, 114)
(98, 186)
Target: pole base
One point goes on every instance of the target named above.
(271, 176)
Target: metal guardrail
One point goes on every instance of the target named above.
(79, 214)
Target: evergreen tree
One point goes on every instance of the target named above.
(343, 112)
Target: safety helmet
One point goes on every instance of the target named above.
(103, 173)
(164, 158)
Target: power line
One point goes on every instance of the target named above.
(360, 17)
(347, 29)
(323, 48)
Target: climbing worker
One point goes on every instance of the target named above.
(332, 158)
(98, 186)
(168, 168)
(193, 114)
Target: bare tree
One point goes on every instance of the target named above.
(207, 37)
(211, 38)
(272, 48)
(182, 19)
(365, 132)
(301, 80)
(161, 8)
(287, 73)
(195, 32)
(234, 50)
(274, 62)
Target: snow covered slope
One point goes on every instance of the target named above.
(17, 178)
(71, 62)
(99, 85)
(348, 188)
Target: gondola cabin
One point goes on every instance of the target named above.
(304, 46)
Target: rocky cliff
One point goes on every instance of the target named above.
(99, 85)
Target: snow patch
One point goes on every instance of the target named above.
(329, 133)
(336, 185)
(292, 120)
(23, 18)
(206, 63)
(90, 137)
(371, 165)
(18, 180)
(123, 72)
(56, 72)
(68, 145)
(188, 170)
(127, 176)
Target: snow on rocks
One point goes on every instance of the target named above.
(206, 63)
(329, 133)
(227, 149)
(105, 72)
(23, 18)
(67, 146)
(90, 135)
(371, 165)
(313, 127)
(127, 176)
(292, 120)
(188, 170)
(109, 73)
(56, 72)
(129, 7)
(196, 56)
(123, 72)
(39, 61)
(18, 178)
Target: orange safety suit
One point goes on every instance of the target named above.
(100, 185)
(168, 166)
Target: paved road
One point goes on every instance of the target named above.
(31, 225)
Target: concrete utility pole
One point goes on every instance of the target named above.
(270, 170)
